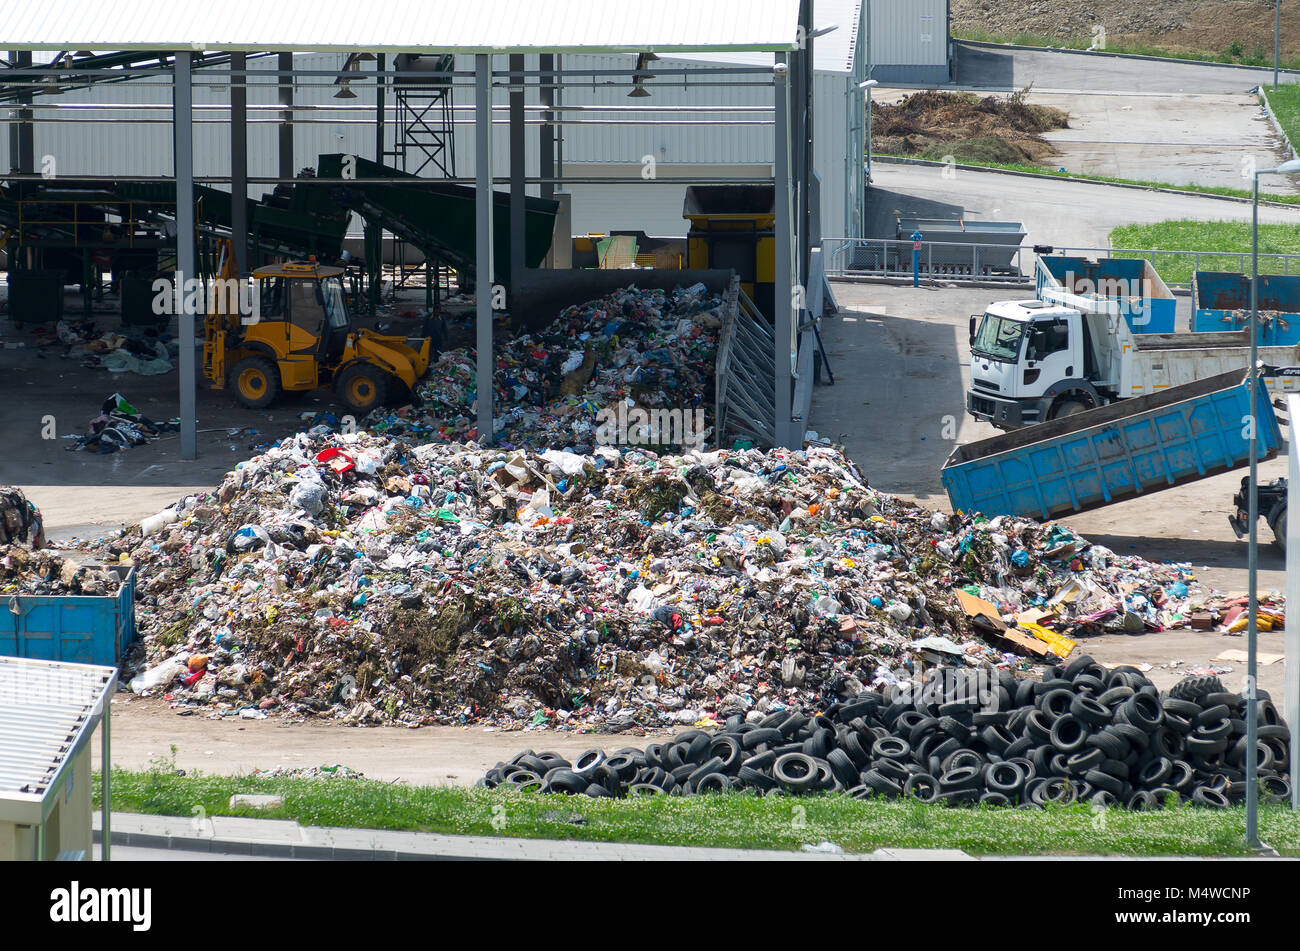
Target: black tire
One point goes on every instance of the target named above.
(1063, 408)
(567, 781)
(1055, 703)
(892, 747)
(852, 744)
(713, 782)
(1079, 763)
(1212, 798)
(1193, 688)
(362, 387)
(644, 789)
(921, 786)
(1143, 711)
(797, 772)
(882, 784)
(1090, 710)
(256, 382)
(1038, 727)
(922, 728)
(1068, 734)
(1005, 778)
(768, 735)
(1185, 708)
(955, 728)
(1212, 715)
(597, 791)
(748, 777)
(842, 767)
(961, 777)
(1110, 743)
(728, 749)
(588, 761)
(1116, 695)
(708, 768)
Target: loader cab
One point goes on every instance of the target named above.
(308, 300)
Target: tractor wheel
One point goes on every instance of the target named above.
(362, 387)
(1279, 531)
(256, 381)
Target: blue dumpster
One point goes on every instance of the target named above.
(80, 629)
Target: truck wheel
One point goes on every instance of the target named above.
(1069, 408)
(1279, 531)
(256, 382)
(362, 387)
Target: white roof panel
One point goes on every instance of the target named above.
(48, 711)
(481, 26)
(833, 52)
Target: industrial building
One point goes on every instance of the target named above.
(683, 127)
(910, 41)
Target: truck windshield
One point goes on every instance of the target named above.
(998, 338)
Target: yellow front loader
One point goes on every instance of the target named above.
(296, 334)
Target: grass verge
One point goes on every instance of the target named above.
(1230, 237)
(733, 821)
(1234, 54)
(1285, 102)
(1057, 173)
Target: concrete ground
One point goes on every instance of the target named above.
(1063, 214)
(902, 364)
(1179, 138)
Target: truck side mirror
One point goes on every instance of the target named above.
(974, 319)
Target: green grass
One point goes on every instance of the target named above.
(1206, 236)
(735, 821)
(1234, 54)
(1057, 173)
(1285, 101)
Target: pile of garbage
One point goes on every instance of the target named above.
(118, 426)
(646, 349)
(362, 578)
(1084, 733)
(25, 571)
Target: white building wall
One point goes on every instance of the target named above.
(124, 145)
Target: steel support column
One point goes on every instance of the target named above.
(483, 243)
(783, 305)
(546, 132)
(239, 161)
(105, 781)
(285, 65)
(518, 157)
(186, 264)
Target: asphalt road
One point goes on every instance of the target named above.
(1004, 69)
(1059, 213)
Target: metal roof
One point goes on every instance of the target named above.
(833, 52)
(481, 26)
(48, 712)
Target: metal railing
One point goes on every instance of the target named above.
(746, 375)
(1000, 263)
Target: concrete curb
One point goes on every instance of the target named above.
(982, 44)
(897, 160)
(278, 838)
(1272, 117)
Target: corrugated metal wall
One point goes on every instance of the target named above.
(909, 32)
(127, 146)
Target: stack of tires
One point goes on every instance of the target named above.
(1082, 734)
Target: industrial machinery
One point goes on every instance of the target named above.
(299, 336)
(1271, 508)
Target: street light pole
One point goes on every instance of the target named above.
(1252, 557)
(1277, 38)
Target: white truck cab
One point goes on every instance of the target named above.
(1031, 361)
(1038, 360)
